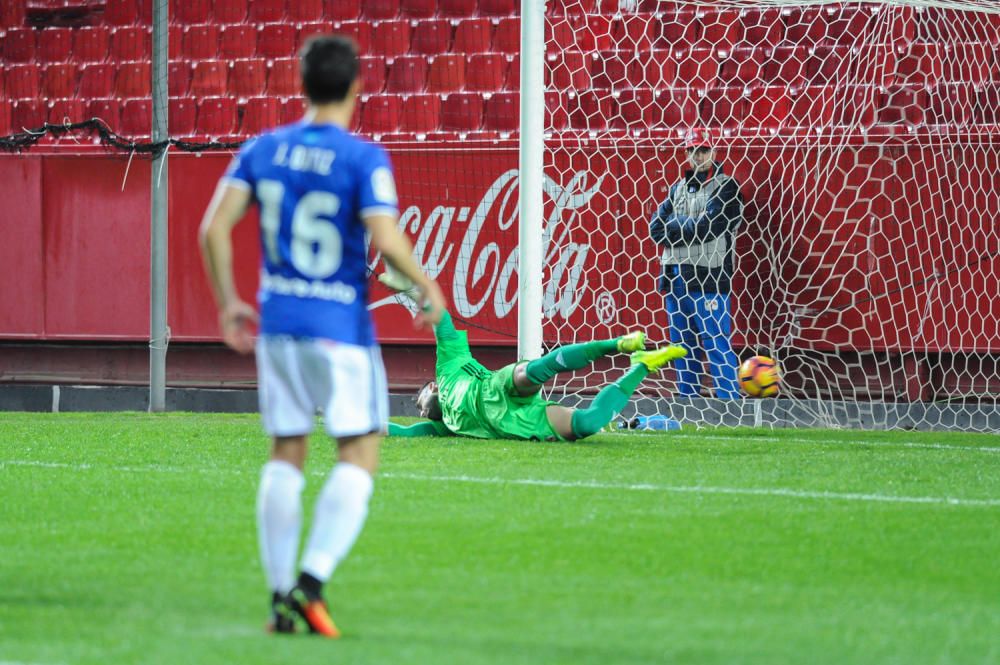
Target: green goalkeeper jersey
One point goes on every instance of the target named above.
(480, 403)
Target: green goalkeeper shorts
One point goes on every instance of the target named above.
(514, 416)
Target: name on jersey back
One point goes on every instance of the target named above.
(305, 158)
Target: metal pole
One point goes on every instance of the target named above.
(158, 331)
(529, 308)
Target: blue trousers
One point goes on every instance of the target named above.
(701, 321)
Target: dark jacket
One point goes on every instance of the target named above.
(695, 226)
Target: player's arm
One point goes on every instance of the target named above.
(424, 428)
(397, 250)
(227, 208)
(722, 214)
(662, 218)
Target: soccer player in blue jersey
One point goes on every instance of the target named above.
(320, 190)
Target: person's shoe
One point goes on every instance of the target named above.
(314, 612)
(634, 341)
(654, 360)
(282, 615)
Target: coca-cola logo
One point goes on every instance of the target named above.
(483, 258)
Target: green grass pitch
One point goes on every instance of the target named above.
(130, 538)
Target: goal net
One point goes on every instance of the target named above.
(864, 141)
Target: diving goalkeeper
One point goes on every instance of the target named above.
(466, 399)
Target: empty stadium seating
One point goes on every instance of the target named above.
(453, 66)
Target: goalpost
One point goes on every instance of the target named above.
(865, 138)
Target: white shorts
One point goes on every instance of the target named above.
(298, 377)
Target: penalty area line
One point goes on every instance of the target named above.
(703, 489)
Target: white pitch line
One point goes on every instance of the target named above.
(839, 442)
(573, 484)
(702, 489)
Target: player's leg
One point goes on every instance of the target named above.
(529, 377)
(680, 314)
(715, 323)
(580, 423)
(287, 415)
(355, 413)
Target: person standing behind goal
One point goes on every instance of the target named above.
(695, 227)
(319, 189)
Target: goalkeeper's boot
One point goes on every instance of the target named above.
(282, 615)
(313, 611)
(634, 341)
(654, 360)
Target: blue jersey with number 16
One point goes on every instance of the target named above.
(314, 184)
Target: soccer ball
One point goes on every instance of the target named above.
(759, 377)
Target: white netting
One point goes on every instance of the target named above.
(864, 139)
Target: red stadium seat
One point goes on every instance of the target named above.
(200, 42)
(456, 7)
(343, 10)
(846, 26)
(302, 11)
(277, 41)
(761, 28)
(106, 110)
(60, 81)
(473, 35)
(741, 67)
(179, 78)
(446, 74)
(5, 128)
(372, 73)
(91, 44)
(968, 63)
(23, 81)
(418, 8)
(899, 104)
(507, 36)
(55, 44)
(267, 11)
(767, 108)
(391, 38)
(283, 78)
(678, 31)
(260, 115)
(216, 117)
(498, 7)
(803, 26)
(430, 37)
(674, 109)
(381, 114)
(920, 64)
(133, 80)
(359, 31)
(817, 107)
(655, 69)
(720, 30)
(190, 12)
(486, 72)
(420, 114)
(698, 68)
(951, 105)
(788, 65)
(292, 110)
(238, 41)
(230, 11)
(590, 109)
(607, 70)
(209, 78)
(136, 118)
(12, 15)
(128, 12)
(723, 107)
(513, 73)
(97, 81)
(633, 32)
(131, 43)
(635, 110)
(311, 29)
(556, 110)
(248, 78)
(19, 45)
(67, 111)
(380, 9)
(28, 114)
(502, 112)
(175, 40)
(407, 74)
(462, 112)
(182, 116)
